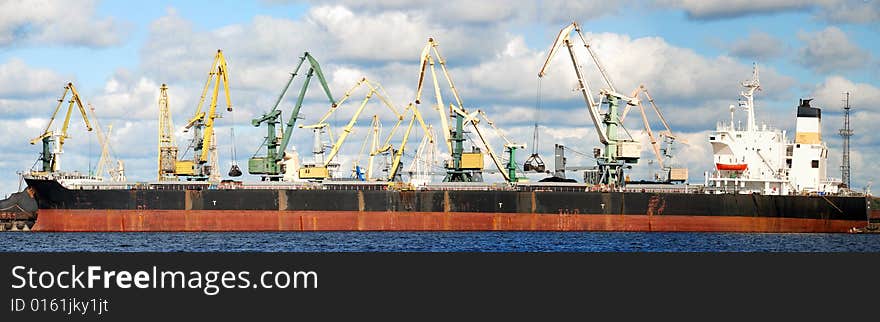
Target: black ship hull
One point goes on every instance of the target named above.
(151, 209)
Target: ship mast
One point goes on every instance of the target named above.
(749, 105)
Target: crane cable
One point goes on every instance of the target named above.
(234, 170)
(537, 117)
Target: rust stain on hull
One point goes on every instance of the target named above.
(287, 220)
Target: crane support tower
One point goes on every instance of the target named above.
(167, 147)
(203, 165)
(270, 166)
(618, 152)
(50, 156)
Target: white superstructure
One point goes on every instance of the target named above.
(760, 159)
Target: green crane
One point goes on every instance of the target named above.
(269, 166)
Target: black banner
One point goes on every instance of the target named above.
(415, 286)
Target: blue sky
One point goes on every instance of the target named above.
(689, 53)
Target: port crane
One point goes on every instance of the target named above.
(394, 169)
(618, 152)
(50, 156)
(167, 153)
(107, 163)
(464, 166)
(270, 166)
(661, 152)
(320, 169)
(203, 166)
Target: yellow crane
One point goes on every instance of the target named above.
(51, 156)
(464, 166)
(398, 153)
(203, 166)
(320, 170)
(167, 147)
(664, 152)
(108, 164)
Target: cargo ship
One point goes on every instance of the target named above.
(780, 190)
(68, 205)
(761, 182)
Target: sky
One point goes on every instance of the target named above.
(691, 55)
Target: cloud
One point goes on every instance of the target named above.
(72, 22)
(863, 96)
(836, 11)
(830, 50)
(718, 9)
(757, 46)
(851, 11)
(672, 74)
(452, 11)
(865, 115)
(18, 80)
(493, 69)
(330, 33)
(456, 12)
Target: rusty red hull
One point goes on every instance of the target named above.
(228, 220)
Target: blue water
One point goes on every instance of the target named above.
(437, 242)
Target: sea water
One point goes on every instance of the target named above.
(436, 242)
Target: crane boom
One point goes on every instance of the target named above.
(347, 130)
(563, 38)
(316, 69)
(47, 131)
(427, 61)
(371, 87)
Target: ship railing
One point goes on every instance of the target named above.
(469, 186)
(685, 188)
(726, 126)
(555, 186)
(355, 185)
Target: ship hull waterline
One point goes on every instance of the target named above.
(352, 208)
(114, 220)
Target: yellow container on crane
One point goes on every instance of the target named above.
(472, 161)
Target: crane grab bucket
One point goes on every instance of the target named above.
(235, 171)
(534, 163)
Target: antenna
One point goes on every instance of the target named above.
(846, 132)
